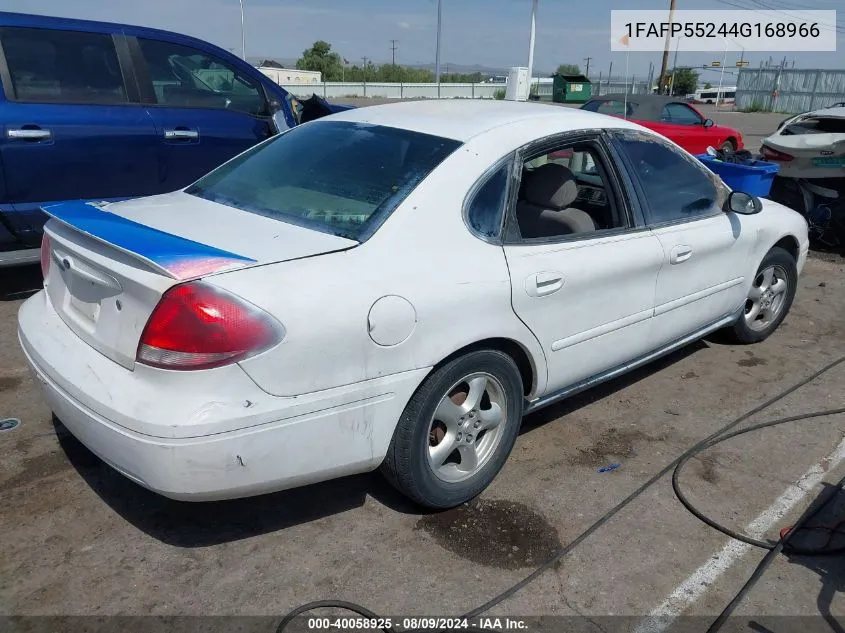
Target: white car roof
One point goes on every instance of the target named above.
(830, 112)
(463, 119)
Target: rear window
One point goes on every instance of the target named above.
(49, 66)
(337, 177)
(822, 125)
(609, 106)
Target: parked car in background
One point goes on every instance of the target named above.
(672, 117)
(809, 145)
(95, 110)
(391, 287)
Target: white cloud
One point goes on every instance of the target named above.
(403, 25)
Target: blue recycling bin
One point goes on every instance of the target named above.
(750, 176)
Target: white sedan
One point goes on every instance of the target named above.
(809, 145)
(390, 287)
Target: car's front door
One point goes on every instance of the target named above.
(706, 251)
(71, 124)
(583, 268)
(687, 125)
(205, 109)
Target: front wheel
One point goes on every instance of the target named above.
(728, 146)
(769, 298)
(457, 430)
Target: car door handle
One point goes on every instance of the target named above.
(176, 135)
(29, 134)
(544, 283)
(680, 254)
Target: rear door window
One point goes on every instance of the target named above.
(52, 66)
(189, 78)
(609, 106)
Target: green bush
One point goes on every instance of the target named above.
(499, 94)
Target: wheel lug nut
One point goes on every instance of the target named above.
(460, 435)
(477, 424)
(469, 438)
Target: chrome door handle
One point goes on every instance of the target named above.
(680, 254)
(29, 135)
(544, 283)
(181, 134)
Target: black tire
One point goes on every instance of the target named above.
(741, 331)
(406, 465)
(729, 146)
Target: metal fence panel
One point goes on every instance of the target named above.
(789, 90)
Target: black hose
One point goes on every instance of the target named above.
(682, 497)
(561, 553)
(772, 554)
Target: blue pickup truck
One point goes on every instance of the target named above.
(93, 110)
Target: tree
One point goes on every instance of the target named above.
(569, 69)
(320, 57)
(708, 85)
(686, 81)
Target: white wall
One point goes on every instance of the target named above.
(334, 89)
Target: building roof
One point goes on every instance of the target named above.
(463, 119)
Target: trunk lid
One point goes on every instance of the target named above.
(111, 263)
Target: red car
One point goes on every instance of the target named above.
(670, 116)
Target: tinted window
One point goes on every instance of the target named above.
(484, 213)
(617, 108)
(63, 66)
(680, 114)
(676, 186)
(188, 78)
(333, 176)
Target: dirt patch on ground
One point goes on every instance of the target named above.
(502, 534)
(611, 443)
(8, 383)
(37, 468)
(707, 468)
(751, 360)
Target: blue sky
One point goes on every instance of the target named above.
(486, 32)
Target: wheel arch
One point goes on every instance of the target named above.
(527, 365)
(789, 243)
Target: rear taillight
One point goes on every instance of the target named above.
(45, 256)
(772, 154)
(197, 326)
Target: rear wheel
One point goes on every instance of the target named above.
(457, 430)
(729, 146)
(769, 298)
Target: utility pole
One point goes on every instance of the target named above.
(437, 62)
(365, 67)
(665, 62)
(243, 33)
(531, 44)
(393, 50)
(588, 60)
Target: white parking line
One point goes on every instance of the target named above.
(699, 582)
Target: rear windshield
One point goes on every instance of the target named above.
(337, 177)
(609, 106)
(822, 125)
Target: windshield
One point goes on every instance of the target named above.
(337, 177)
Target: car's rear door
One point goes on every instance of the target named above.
(206, 107)
(706, 252)
(587, 296)
(70, 124)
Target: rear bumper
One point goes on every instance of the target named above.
(251, 443)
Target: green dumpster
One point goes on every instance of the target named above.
(571, 88)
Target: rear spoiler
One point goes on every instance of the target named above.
(170, 255)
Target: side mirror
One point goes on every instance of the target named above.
(708, 123)
(743, 203)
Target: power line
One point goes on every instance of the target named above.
(767, 12)
(393, 49)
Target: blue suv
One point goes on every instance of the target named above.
(103, 111)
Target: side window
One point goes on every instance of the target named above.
(609, 106)
(566, 192)
(680, 114)
(676, 186)
(51, 66)
(484, 212)
(188, 78)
